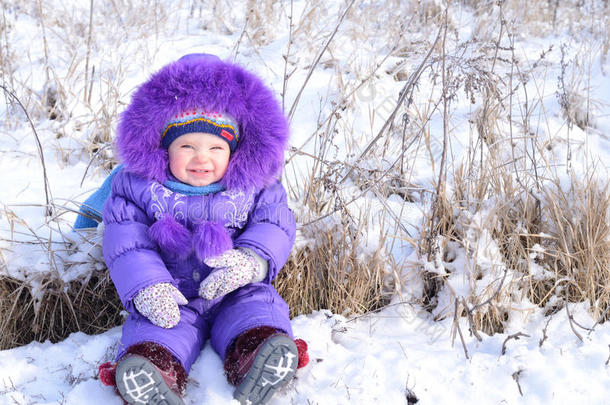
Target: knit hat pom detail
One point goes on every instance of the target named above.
(211, 239)
(171, 236)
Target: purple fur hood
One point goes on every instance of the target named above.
(201, 80)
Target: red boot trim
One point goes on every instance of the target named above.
(107, 372)
(303, 355)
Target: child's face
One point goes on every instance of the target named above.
(198, 158)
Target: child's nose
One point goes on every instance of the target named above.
(202, 157)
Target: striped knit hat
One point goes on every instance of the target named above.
(198, 120)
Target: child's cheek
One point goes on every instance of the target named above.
(176, 165)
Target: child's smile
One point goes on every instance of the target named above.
(199, 159)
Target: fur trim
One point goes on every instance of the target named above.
(171, 236)
(207, 82)
(211, 239)
(164, 361)
(239, 350)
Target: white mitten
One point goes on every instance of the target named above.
(234, 268)
(159, 303)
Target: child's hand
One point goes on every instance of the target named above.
(159, 303)
(234, 268)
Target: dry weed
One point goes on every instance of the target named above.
(75, 294)
(577, 253)
(332, 273)
(547, 243)
(91, 306)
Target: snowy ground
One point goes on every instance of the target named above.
(373, 359)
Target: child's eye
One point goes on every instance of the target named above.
(187, 146)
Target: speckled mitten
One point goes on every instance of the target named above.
(234, 268)
(159, 303)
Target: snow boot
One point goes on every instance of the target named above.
(146, 374)
(262, 360)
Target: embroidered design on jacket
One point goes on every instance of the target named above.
(163, 201)
(237, 207)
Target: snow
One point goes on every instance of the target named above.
(372, 359)
(376, 358)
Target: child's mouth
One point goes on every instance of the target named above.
(200, 172)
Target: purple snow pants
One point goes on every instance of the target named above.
(220, 320)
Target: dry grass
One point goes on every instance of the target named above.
(577, 253)
(557, 246)
(333, 274)
(523, 234)
(92, 307)
(41, 305)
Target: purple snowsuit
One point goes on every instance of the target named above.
(158, 230)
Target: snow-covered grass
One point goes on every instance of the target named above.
(455, 151)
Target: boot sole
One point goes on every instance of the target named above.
(139, 382)
(274, 365)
